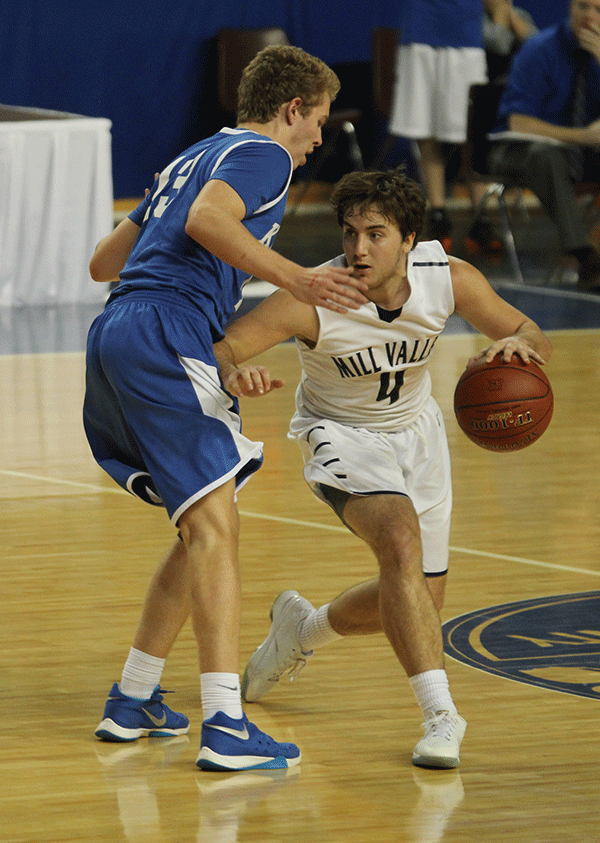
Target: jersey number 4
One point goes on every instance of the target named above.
(387, 391)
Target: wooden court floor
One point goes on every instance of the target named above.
(76, 557)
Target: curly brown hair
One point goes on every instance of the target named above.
(398, 198)
(277, 75)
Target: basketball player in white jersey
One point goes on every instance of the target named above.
(373, 437)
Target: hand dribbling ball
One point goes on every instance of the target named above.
(503, 406)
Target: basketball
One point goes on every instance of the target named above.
(503, 406)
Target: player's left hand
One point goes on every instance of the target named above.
(251, 382)
(148, 189)
(507, 347)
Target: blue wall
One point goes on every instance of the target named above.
(146, 66)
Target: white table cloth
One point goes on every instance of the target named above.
(56, 202)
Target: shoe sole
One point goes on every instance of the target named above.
(435, 762)
(426, 755)
(108, 730)
(210, 760)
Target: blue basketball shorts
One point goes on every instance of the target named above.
(155, 414)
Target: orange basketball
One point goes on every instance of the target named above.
(503, 406)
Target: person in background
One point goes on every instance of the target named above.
(439, 57)
(547, 135)
(505, 28)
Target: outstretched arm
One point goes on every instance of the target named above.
(511, 330)
(214, 221)
(246, 382)
(274, 320)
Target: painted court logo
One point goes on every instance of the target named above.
(552, 642)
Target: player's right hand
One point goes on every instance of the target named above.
(332, 287)
(251, 382)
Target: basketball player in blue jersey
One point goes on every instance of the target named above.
(155, 414)
(373, 437)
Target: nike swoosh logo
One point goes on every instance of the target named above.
(228, 687)
(154, 719)
(243, 735)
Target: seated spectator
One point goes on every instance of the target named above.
(505, 28)
(548, 128)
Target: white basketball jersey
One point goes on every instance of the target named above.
(369, 366)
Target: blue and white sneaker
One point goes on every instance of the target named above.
(229, 744)
(127, 719)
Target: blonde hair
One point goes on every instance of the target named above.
(277, 75)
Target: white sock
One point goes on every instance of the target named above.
(316, 631)
(432, 692)
(221, 692)
(141, 674)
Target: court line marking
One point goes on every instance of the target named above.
(315, 525)
(60, 555)
(501, 556)
(77, 485)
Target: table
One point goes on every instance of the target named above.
(56, 203)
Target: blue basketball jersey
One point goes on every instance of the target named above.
(442, 23)
(166, 258)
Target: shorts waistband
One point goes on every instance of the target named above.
(155, 297)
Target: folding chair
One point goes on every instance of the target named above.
(483, 106)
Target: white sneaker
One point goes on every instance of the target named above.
(281, 651)
(440, 745)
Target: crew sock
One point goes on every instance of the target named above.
(316, 631)
(432, 692)
(141, 674)
(221, 692)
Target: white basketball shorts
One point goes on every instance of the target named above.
(413, 461)
(431, 92)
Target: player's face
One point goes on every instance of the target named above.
(374, 247)
(305, 131)
(585, 14)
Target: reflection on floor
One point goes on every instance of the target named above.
(312, 238)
